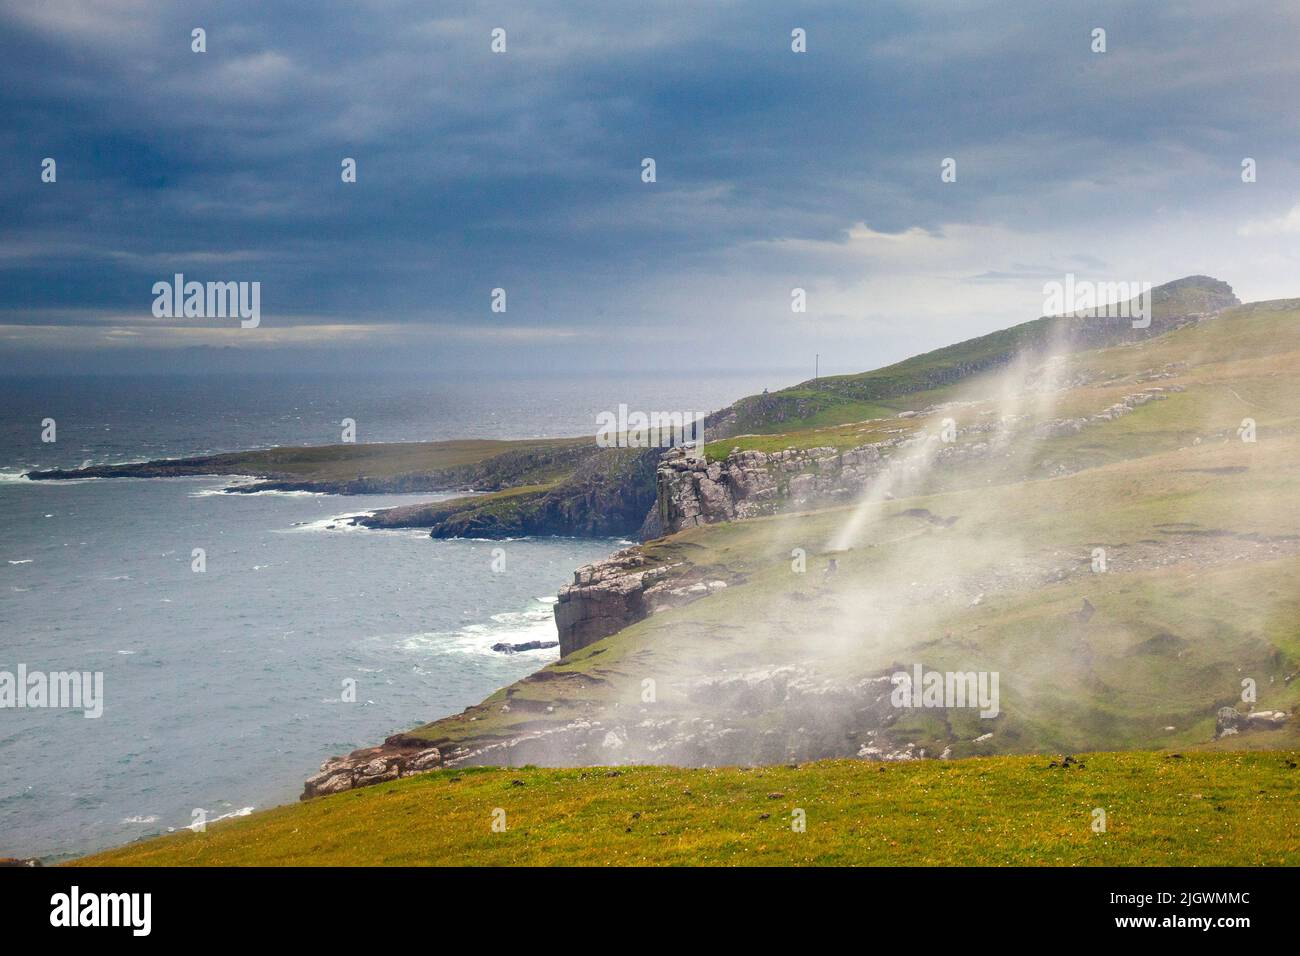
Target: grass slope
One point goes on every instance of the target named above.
(842, 399)
(1202, 539)
(1234, 809)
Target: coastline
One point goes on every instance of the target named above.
(288, 523)
(561, 487)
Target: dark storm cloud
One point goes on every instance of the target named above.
(522, 170)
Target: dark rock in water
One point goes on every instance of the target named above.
(14, 861)
(505, 648)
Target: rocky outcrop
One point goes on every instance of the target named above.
(692, 491)
(747, 484)
(571, 488)
(507, 648)
(396, 757)
(727, 720)
(1057, 427)
(607, 495)
(607, 596)
(604, 597)
(1229, 721)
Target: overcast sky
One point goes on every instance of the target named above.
(522, 170)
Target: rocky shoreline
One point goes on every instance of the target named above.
(827, 717)
(581, 490)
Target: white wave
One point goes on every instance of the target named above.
(536, 623)
(208, 493)
(229, 492)
(70, 482)
(345, 522)
(232, 486)
(336, 523)
(23, 561)
(14, 476)
(274, 492)
(148, 819)
(241, 812)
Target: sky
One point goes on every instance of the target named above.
(522, 170)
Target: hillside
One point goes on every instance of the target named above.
(843, 398)
(569, 486)
(975, 555)
(1112, 534)
(1197, 810)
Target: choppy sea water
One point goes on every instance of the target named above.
(224, 689)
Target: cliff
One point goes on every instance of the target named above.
(607, 596)
(607, 495)
(977, 550)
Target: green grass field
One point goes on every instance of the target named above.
(1225, 809)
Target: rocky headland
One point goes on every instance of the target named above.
(751, 469)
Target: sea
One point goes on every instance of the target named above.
(303, 637)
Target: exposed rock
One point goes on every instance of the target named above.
(396, 758)
(504, 648)
(1058, 427)
(1229, 721)
(608, 494)
(604, 597)
(749, 484)
(608, 595)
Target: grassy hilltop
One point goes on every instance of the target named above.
(837, 399)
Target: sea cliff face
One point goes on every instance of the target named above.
(607, 495)
(691, 491)
(607, 596)
(751, 484)
(725, 714)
